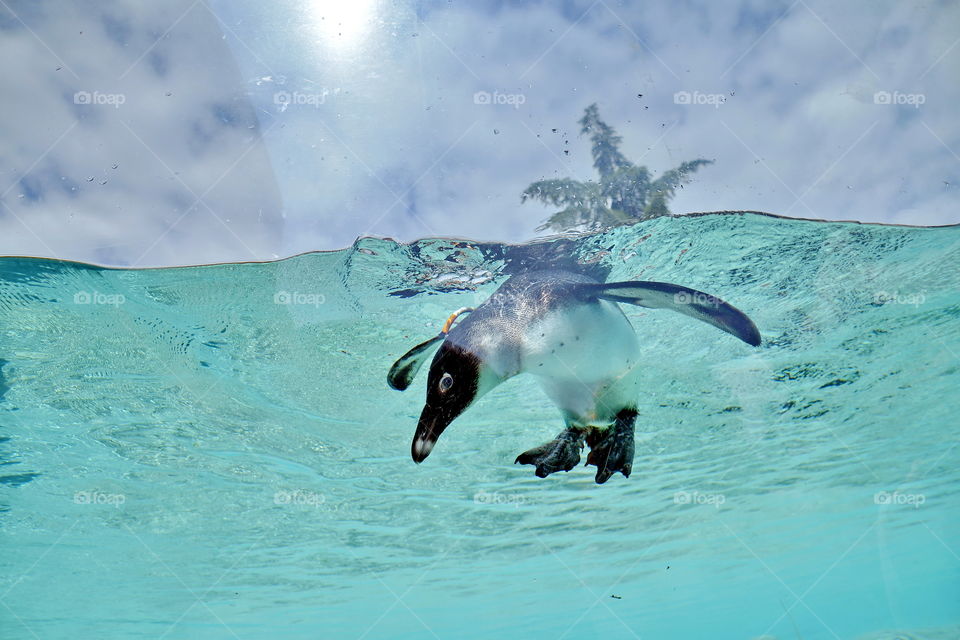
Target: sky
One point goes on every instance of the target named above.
(197, 131)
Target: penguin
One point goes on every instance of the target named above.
(568, 331)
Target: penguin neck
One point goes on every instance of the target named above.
(499, 359)
(488, 379)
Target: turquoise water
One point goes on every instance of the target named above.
(213, 452)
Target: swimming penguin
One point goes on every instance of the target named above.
(567, 330)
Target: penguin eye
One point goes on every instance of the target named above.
(446, 381)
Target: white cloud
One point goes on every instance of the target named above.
(159, 123)
(393, 117)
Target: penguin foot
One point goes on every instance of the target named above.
(612, 451)
(560, 454)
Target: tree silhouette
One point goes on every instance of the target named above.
(624, 194)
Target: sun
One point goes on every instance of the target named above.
(343, 24)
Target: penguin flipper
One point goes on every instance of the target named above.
(689, 302)
(405, 368)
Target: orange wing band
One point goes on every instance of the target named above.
(453, 317)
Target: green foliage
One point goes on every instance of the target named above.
(656, 208)
(627, 190)
(624, 194)
(606, 143)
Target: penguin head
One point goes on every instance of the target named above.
(457, 378)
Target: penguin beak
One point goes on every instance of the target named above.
(429, 428)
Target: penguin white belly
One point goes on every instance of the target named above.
(583, 358)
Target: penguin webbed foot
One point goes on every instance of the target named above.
(560, 454)
(612, 451)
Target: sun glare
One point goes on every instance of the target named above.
(343, 24)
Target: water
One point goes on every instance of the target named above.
(213, 451)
